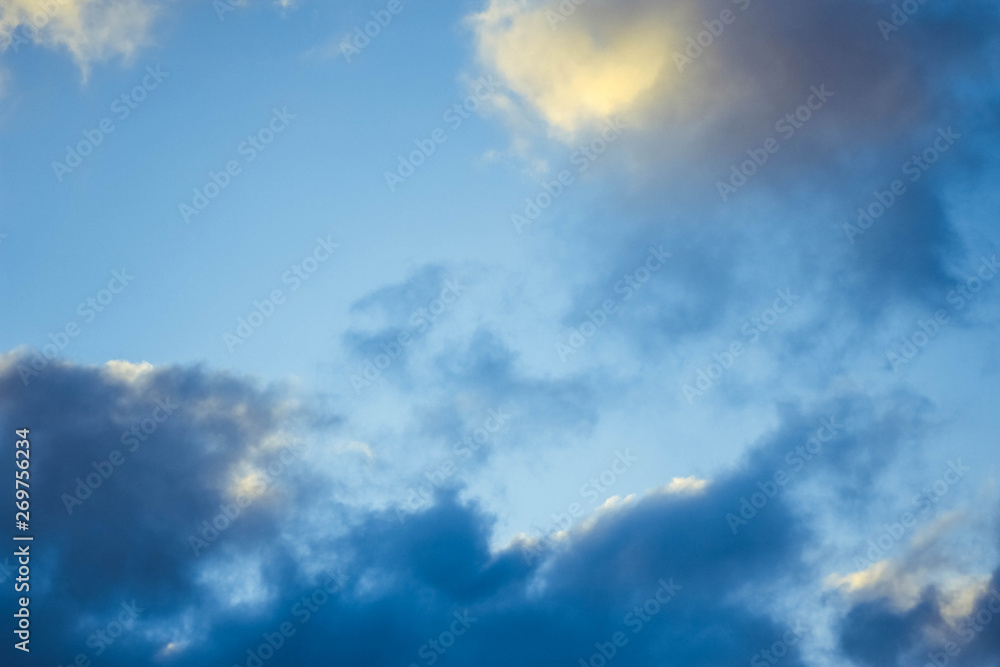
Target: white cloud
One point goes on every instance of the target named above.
(91, 30)
(686, 485)
(126, 371)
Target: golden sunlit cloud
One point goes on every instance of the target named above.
(862, 579)
(686, 485)
(904, 587)
(252, 486)
(566, 72)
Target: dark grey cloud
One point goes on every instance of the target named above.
(398, 585)
(876, 634)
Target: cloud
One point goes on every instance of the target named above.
(463, 369)
(939, 628)
(129, 541)
(691, 127)
(937, 596)
(91, 30)
(564, 69)
(127, 371)
(686, 485)
(664, 569)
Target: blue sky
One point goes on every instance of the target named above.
(538, 302)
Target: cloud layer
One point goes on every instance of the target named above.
(669, 574)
